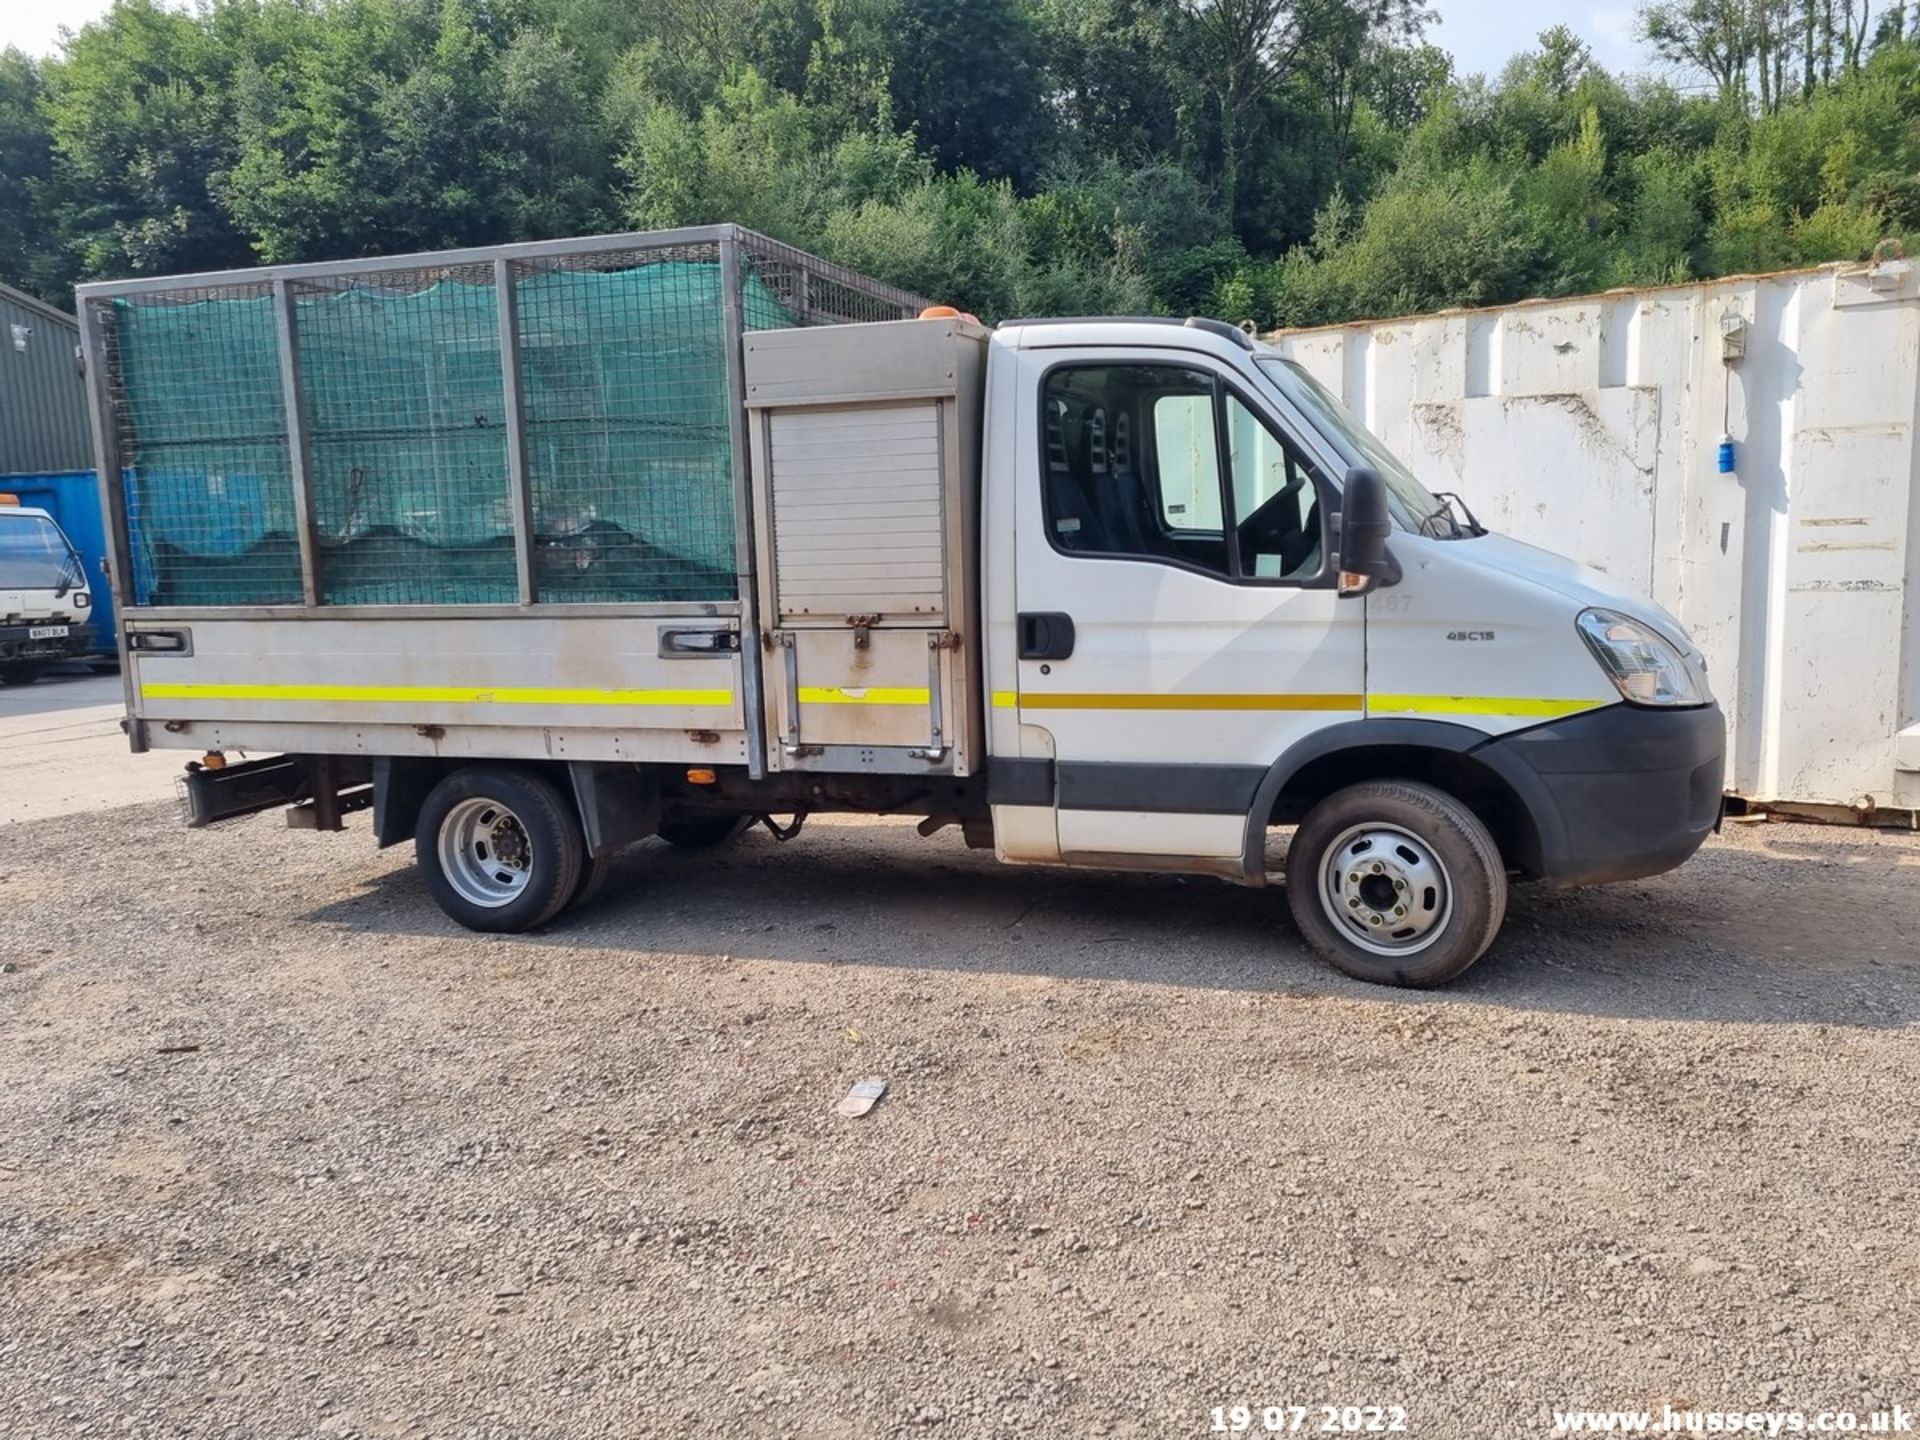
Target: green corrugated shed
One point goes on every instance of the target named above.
(43, 396)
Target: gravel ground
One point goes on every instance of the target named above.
(282, 1154)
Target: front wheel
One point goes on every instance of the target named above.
(1396, 883)
(23, 672)
(499, 848)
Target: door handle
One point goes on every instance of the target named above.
(1045, 635)
(680, 644)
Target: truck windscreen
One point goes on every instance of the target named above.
(34, 555)
(1414, 506)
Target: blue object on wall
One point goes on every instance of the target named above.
(73, 499)
(1726, 455)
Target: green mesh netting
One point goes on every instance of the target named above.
(208, 481)
(624, 403)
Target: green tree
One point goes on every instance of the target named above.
(1111, 64)
(1402, 84)
(26, 165)
(384, 125)
(1567, 209)
(849, 68)
(1664, 220)
(966, 77)
(1298, 159)
(140, 110)
(551, 154)
(1428, 242)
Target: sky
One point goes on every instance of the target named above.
(1482, 34)
(34, 25)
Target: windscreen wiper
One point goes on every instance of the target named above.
(1441, 511)
(1449, 503)
(73, 576)
(1452, 499)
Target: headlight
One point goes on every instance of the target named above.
(1643, 664)
(82, 600)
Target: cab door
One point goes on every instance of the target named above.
(1178, 619)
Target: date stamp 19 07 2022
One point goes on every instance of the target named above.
(1291, 1418)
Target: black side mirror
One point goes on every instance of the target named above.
(1365, 525)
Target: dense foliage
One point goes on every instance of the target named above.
(1286, 161)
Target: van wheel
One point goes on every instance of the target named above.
(594, 870)
(1396, 883)
(702, 832)
(499, 848)
(22, 674)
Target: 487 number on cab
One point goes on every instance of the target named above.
(1310, 1419)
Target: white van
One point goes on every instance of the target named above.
(1111, 593)
(45, 607)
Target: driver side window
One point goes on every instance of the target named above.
(1165, 463)
(1131, 464)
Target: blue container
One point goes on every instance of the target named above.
(1726, 455)
(73, 499)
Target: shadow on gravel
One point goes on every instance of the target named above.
(1737, 934)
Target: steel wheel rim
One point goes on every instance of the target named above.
(1385, 889)
(485, 853)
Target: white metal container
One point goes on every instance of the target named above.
(1593, 426)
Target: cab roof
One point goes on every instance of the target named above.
(1211, 337)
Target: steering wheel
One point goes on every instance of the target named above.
(1277, 528)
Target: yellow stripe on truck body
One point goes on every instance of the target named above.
(1524, 706)
(1501, 705)
(433, 695)
(1175, 700)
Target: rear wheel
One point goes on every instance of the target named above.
(593, 878)
(499, 848)
(22, 672)
(702, 832)
(1396, 883)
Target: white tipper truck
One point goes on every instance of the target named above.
(1110, 593)
(46, 610)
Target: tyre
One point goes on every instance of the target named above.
(499, 848)
(1396, 883)
(702, 831)
(593, 878)
(23, 672)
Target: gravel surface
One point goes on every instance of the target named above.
(283, 1154)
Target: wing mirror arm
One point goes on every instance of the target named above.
(1365, 563)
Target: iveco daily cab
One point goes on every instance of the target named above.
(539, 551)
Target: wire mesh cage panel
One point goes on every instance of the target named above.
(623, 379)
(810, 291)
(423, 431)
(202, 435)
(406, 421)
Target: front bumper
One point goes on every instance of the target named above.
(1618, 793)
(18, 643)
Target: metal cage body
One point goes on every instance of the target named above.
(463, 502)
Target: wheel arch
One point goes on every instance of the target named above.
(401, 784)
(615, 804)
(1506, 798)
